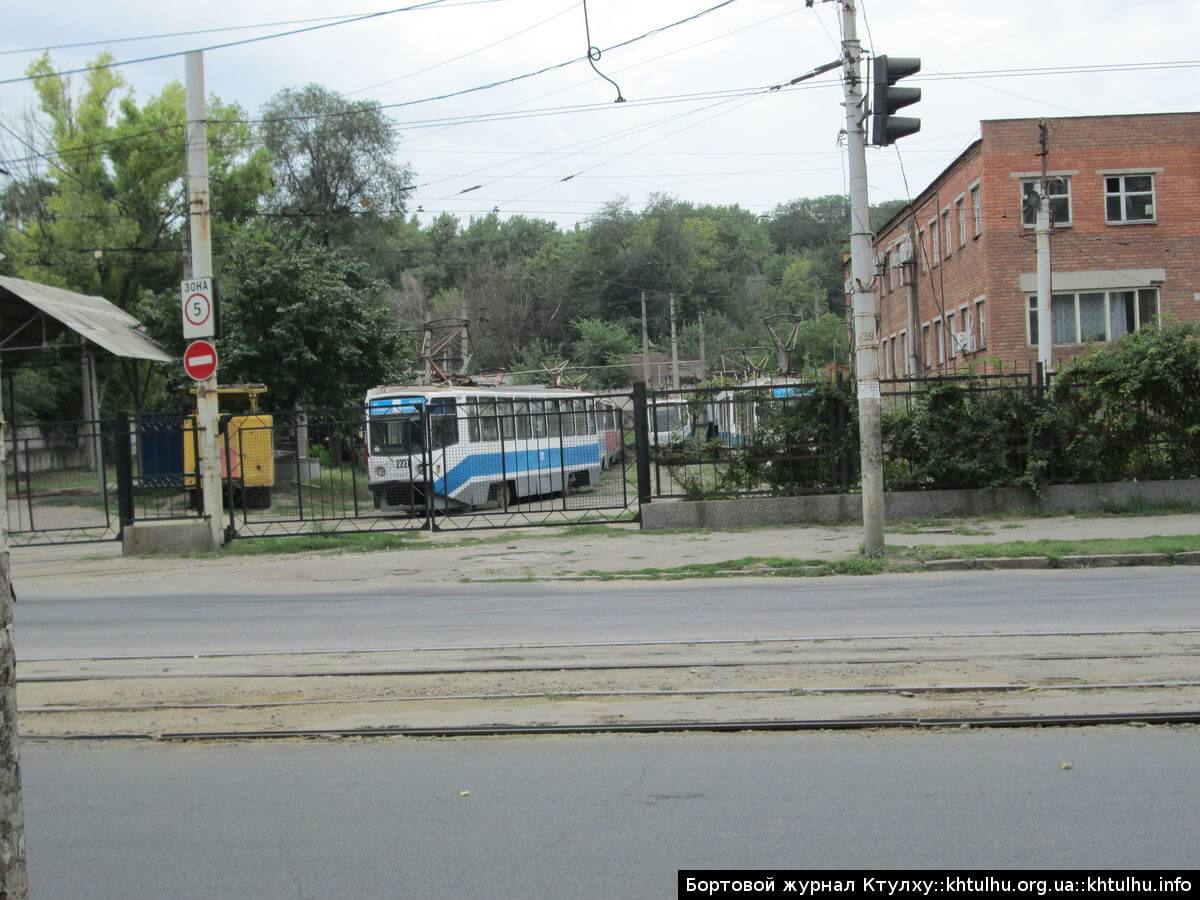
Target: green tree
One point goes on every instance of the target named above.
(332, 158)
(600, 343)
(307, 321)
(103, 209)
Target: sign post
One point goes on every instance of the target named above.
(197, 298)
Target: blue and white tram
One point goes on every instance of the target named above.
(464, 448)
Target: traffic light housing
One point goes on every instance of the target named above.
(887, 128)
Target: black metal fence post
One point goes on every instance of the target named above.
(124, 461)
(641, 440)
(843, 471)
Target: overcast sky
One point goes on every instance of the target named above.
(755, 152)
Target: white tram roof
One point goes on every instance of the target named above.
(514, 390)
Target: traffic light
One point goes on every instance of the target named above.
(885, 127)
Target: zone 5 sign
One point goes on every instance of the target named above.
(199, 314)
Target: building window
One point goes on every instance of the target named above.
(1093, 315)
(1129, 198)
(977, 208)
(926, 352)
(940, 327)
(950, 331)
(904, 352)
(936, 252)
(1059, 187)
(960, 211)
(981, 323)
(921, 247)
(946, 236)
(887, 271)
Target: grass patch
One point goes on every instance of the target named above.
(777, 566)
(1053, 549)
(900, 559)
(346, 542)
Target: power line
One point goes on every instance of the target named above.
(469, 53)
(489, 85)
(644, 62)
(747, 101)
(238, 43)
(217, 30)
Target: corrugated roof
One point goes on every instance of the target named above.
(92, 318)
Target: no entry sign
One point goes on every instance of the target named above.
(200, 360)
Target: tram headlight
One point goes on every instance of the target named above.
(380, 471)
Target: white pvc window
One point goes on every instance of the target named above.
(977, 207)
(1090, 316)
(1129, 198)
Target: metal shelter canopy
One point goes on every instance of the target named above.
(32, 315)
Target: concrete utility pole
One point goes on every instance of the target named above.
(207, 413)
(14, 881)
(862, 274)
(911, 342)
(1044, 283)
(645, 344)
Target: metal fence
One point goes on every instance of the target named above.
(752, 440)
(489, 463)
(80, 481)
(468, 462)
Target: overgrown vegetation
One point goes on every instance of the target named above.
(1125, 410)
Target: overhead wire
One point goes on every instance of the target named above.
(238, 43)
(469, 53)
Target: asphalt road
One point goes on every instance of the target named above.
(149, 621)
(600, 816)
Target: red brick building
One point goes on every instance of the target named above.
(1125, 248)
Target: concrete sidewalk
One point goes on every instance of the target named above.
(530, 553)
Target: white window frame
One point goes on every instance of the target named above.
(903, 335)
(968, 326)
(940, 327)
(1031, 312)
(977, 206)
(935, 248)
(947, 236)
(960, 211)
(921, 248)
(926, 349)
(981, 322)
(950, 318)
(1122, 193)
(1070, 203)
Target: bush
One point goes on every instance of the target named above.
(963, 435)
(1131, 408)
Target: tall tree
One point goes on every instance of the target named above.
(332, 158)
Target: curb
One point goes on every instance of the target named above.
(1095, 561)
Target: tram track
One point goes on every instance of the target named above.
(577, 686)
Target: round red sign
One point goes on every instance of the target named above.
(200, 360)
